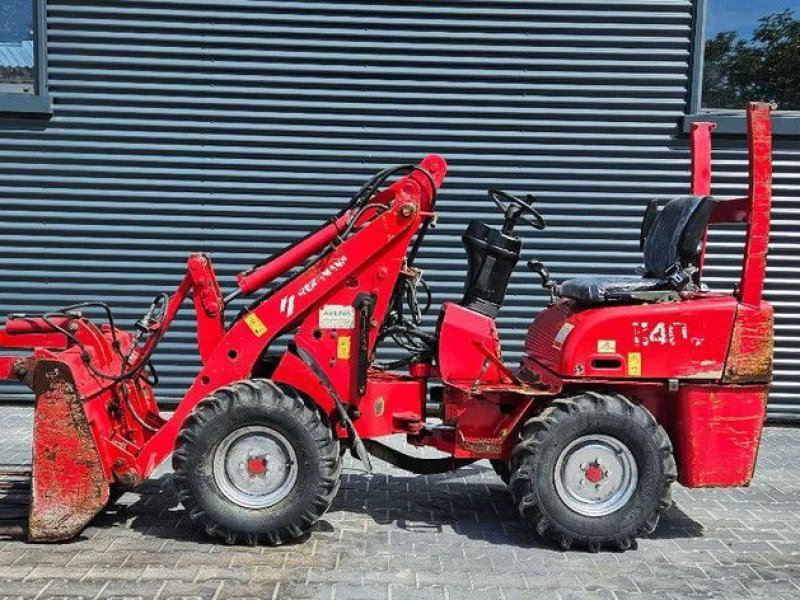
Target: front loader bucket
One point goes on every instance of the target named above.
(68, 485)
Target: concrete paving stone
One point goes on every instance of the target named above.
(346, 591)
(277, 561)
(124, 590)
(54, 572)
(40, 555)
(23, 590)
(66, 588)
(237, 591)
(587, 595)
(404, 592)
(296, 574)
(395, 535)
(482, 578)
(153, 573)
(98, 573)
(183, 590)
(225, 573)
(144, 558)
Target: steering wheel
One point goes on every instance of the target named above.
(506, 201)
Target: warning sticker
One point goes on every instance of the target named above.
(562, 334)
(634, 364)
(255, 324)
(606, 346)
(343, 348)
(337, 316)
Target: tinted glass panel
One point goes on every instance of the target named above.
(752, 53)
(17, 55)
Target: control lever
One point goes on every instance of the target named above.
(538, 267)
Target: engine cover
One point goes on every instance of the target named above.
(681, 340)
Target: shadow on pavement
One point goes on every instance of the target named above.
(471, 502)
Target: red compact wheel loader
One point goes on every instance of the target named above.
(626, 384)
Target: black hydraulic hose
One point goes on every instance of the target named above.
(109, 317)
(142, 362)
(413, 464)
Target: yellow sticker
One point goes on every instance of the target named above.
(343, 348)
(255, 324)
(635, 364)
(606, 346)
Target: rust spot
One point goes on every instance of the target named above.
(484, 446)
(68, 486)
(23, 370)
(750, 355)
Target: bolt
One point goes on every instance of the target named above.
(597, 486)
(584, 466)
(599, 462)
(406, 210)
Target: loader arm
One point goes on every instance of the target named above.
(402, 208)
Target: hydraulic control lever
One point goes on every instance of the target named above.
(549, 284)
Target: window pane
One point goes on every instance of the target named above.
(17, 72)
(752, 53)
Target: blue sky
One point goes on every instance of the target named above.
(742, 15)
(15, 20)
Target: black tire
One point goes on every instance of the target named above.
(561, 427)
(241, 407)
(502, 468)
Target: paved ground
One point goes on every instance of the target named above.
(392, 535)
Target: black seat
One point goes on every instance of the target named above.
(672, 242)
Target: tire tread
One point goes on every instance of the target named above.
(248, 392)
(535, 433)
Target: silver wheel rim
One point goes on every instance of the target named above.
(255, 467)
(596, 475)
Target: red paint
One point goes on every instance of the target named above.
(716, 430)
(700, 136)
(257, 466)
(672, 340)
(754, 268)
(594, 473)
(702, 366)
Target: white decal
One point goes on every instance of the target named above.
(606, 346)
(337, 316)
(287, 305)
(662, 333)
(329, 270)
(562, 334)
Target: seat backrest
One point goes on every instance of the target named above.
(676, 234)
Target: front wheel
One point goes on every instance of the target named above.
(256, 464)
(595, 470)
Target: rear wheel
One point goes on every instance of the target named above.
(594, 470)
(256, 464)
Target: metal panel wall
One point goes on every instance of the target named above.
(234, 126)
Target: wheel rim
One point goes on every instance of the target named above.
(596, 475)
(255, 467)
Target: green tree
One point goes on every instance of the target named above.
(765, 67)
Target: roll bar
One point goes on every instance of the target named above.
(753, 209)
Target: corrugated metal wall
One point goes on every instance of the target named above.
(234, 126)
